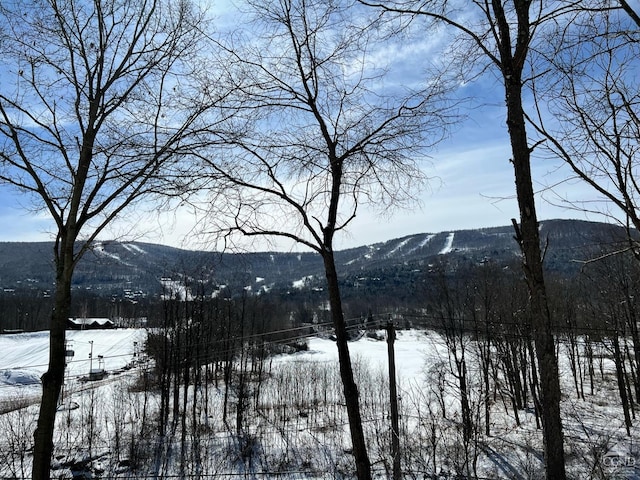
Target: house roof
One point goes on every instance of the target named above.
(90, 321)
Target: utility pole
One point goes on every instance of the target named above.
(68, 356)
(393, 400)
(91, 358)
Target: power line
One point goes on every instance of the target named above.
(463, 331)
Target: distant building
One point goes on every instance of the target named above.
(130, 322)
(12, 330)
(97, 374)
(89, 323)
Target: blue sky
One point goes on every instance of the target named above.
(472, 187)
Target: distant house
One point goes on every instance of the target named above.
(12, 330)
(89, 323)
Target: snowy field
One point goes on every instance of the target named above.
(297, 425)
(24, 357)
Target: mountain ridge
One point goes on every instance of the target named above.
(113, 267)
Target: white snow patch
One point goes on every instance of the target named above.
(367, 255)
(100, 250)
(410, 350)
(399, 246)
(448, 244)
(302, 282)
(424, 241)
(133, 248)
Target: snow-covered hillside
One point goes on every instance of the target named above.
(294, 425)
(24, 356)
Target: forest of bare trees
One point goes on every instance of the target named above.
(216, 397)
(284, 123)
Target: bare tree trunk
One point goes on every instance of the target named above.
(632, 324)
(624, 399)
(528, 235)
(54, 377)
(632, 372)
(519, 369)
(393, 402)
(346, 372)
(529, 240)
(588, 346)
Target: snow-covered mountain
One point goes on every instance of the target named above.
(117, 268)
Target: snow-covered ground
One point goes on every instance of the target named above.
(300, 424)
(24, 357)
(411, 349)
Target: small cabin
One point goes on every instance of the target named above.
(96, 374)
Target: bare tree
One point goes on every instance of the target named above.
(94, 104)
(503, 35)
(589, 110)
(321, 138)
(589, 115)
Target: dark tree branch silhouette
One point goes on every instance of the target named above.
(96, 104)
(320, 137)
(509, 36)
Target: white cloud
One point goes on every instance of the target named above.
(473, 187)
